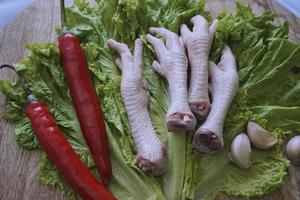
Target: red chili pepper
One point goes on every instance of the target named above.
(62, 155)
(60, 151)
(86, 102)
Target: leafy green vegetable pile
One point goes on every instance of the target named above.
(269, 94)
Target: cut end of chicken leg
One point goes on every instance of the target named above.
(156, 166)
(179, 121)
(200, 109)
(206, 142)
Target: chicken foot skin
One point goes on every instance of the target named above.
(224, 84)
(152, 153)
(198, 43)
(172, 64)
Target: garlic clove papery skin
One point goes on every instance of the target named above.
(260, 137)
(293, 150)
(240, 152)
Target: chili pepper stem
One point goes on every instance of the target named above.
(7, 66)
(63, 18)
(23, 81)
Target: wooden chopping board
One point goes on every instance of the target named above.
(18, 167)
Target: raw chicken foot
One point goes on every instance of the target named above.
(172, 64)
(152, 153)
(198, 43)
(224, 85)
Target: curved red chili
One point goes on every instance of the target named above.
(60, 151)
(86, 103)
(62, 155)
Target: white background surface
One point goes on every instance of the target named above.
(292, 5)
(10, 8)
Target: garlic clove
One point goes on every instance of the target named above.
(293, 150)
(260, 137)
(240, 152)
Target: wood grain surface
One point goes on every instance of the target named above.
(18, 167)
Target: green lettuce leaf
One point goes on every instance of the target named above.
(269, 89)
